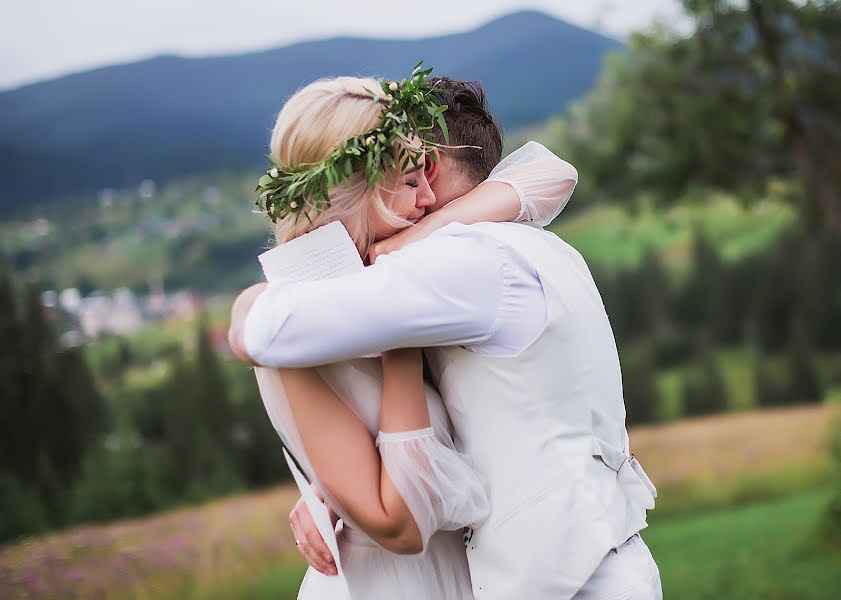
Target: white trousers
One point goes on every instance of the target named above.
(626, 573)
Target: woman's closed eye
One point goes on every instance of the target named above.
(413, 184)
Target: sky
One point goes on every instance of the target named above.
(42, 39)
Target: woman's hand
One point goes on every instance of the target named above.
(412, 234)
(311, 546)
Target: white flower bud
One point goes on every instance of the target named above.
(393, 86)
(293, 205)
(370, 140)
(389, 97)
(273, 173)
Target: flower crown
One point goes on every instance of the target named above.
(408, 120)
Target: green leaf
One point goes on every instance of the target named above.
(442, 123)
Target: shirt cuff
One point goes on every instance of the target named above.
(262, 324)
(403, 436)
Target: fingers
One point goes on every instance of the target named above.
(375, 252)
(310, 544)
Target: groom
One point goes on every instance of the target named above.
(522, 352)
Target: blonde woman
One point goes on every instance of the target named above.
(372, 436)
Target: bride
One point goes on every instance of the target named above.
(371, 435)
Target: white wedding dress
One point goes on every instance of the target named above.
(439, 485)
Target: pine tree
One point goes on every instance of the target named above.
(13, 453)
(805, 383)
(212, 391)
(700, 302)
(639, 387)
(704, 390)
(772, 386)
(53, 413)
(654, 288)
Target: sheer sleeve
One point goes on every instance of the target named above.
(543, 181)
(439, 485)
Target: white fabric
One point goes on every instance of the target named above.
(543, 182)
(547, 428)
(417, 297)
(626, 573)
(441, 487)
(370, 571)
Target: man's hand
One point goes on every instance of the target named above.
(311, 545)
(238, 313)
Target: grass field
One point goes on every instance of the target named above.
(760, 551)
(740, 498)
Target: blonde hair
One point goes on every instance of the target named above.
(313, 123)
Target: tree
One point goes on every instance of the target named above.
(700, 303)
(704, 390)
(748, 96)
(805, 383)
(53, 412)
(639, 387)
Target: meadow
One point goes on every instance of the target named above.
(743, 522)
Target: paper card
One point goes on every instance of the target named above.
(334, 587)
(320, 254)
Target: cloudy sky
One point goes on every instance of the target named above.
(40, 39)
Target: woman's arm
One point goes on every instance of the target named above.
(530, 184)
(343, 454)
(405, 486)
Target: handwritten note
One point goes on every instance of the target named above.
(334, 587)
(320, 254)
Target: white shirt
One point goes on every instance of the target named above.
(459, 286)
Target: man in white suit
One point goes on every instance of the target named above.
(523, 354)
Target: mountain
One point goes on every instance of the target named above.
(169, 116)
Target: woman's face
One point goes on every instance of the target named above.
(411, 196)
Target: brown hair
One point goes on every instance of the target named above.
(470, 123)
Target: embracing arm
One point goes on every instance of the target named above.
(419, 297)
(345, 458)
(531, 184)
(400, 489)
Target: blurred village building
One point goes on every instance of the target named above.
(122, 312)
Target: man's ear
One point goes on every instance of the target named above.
(433, 165)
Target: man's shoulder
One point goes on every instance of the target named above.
(485, 230)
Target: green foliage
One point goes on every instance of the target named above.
(21, 509)
(53, 412)
(772, 381)
(704, 390)
(118, 480)
(742, 101)
(639, 387)
(806, 386)
(410, 112)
